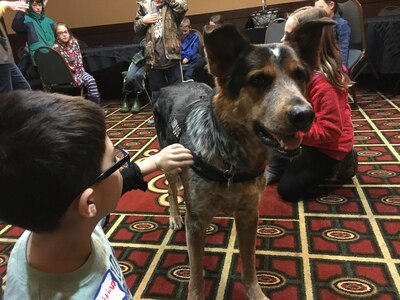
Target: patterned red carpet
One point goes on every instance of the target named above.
(345, 245)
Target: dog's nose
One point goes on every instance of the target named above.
(301, 116)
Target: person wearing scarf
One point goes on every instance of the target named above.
(67, 45)
(38, 28)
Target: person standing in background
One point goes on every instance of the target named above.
(159, 21)
(11, 76)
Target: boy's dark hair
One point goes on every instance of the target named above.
(51, 149)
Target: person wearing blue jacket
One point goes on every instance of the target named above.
(342, 27)
(190, 50)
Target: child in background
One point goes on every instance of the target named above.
(159, 21)
(190, 54)
(60, 175)
(38, 28)
(216, 20)
(327, 150)
(69, 49)
(134, 82)
(342, 28)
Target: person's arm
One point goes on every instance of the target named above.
(170, 159)
(21, 6)
(79, 61)
(18, 24)
(193, 47)
(343, 35)
(179, 7)
(143, 19)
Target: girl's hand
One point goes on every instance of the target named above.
(172, 158)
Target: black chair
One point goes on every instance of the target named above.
(54, 73)
(275, 31)
(358, 60)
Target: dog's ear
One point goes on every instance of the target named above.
(223, 44)
(306, 39)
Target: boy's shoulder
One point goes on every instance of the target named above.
(25, 282)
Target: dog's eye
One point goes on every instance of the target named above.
(300, 75)
(260, 81)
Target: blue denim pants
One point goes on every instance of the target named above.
(12, 78)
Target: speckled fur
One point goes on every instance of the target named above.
(254, 83)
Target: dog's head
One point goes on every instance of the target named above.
(262, 87)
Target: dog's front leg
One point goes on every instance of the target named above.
(175, 219)
(195, 238)
(246, 225)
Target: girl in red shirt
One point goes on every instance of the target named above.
(327, 148)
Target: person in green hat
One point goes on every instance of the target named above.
(38, 28)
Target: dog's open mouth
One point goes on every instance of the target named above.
(287, 145)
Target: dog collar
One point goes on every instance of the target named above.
(212, 173)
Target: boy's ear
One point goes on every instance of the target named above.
(306, 39)
(223, 45)
(87, 204)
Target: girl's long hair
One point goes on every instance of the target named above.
(330, 61)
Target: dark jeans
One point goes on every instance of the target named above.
(196, 63)
(159, 78)
(303, 173)
(12, 78)
(134, 79)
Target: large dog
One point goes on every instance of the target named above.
(258, 105)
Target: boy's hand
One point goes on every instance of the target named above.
(151, 18)
(185, 61)
(172, 158)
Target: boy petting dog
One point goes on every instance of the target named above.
(59, 177)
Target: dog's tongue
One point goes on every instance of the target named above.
(292, 142)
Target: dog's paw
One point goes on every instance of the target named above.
(255, 293)
(176, 223)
